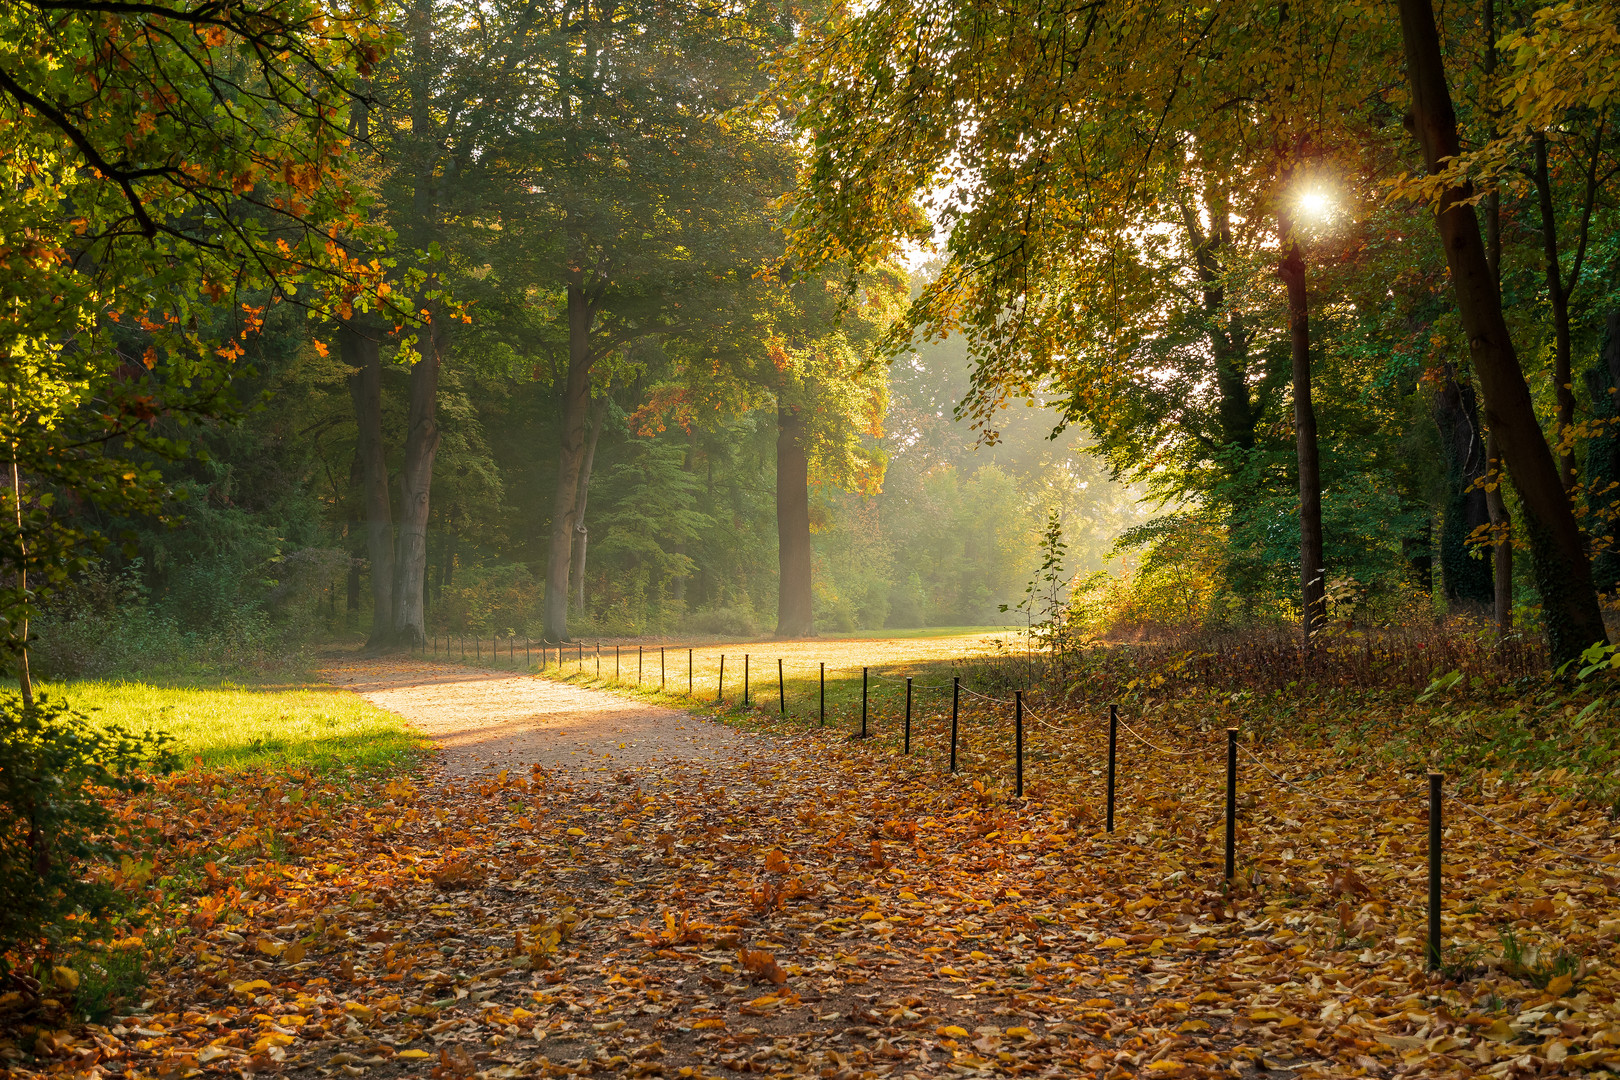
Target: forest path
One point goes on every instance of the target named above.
(485, 720)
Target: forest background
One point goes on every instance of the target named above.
(592, 411)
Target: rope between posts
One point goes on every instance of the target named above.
(1611, 867)
(1172, 753)
(986, 697)
(1385, 801)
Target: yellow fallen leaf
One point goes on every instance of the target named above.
(1019, 1033)
(576, 831)
(413, 1054)
(952, 1032)
(1097, 1003)
(949, 971)
(256, 986)
(1113, 943)
(1560, 985)
(270, 948)
(709, 1025)
(1499, 1031)
(1265, 1014)
(65, 978)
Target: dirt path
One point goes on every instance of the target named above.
(490, 720)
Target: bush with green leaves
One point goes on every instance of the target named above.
(57, 771)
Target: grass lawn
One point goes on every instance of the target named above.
(229, 725)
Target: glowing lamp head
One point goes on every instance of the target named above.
(1316, 204)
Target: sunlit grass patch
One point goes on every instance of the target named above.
(241, 727)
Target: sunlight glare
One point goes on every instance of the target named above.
(1316, 203)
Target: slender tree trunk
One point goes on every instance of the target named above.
(1495, 502)
(1312, 564)
(1465, 579)
(1502, 550)
(416, 483)
(571, 458)
(360, 348)
(795, 616)
(25, 680)
(581, 533)
(447, 558)
(1603, 460)
(1558, 300)
(1563, 574)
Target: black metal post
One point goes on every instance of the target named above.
(615, 663)
(720, 685)
(1231, 802)
(598, 659)
(824, 693)
(907, 749)
(478, 648)
(640, 664)
(661, 677)
(1113, 754)
(956, 708)
(1434, 945)
(781, 687)
(745, 680)
(1018, 742)
(690, 685)
(582, 657)
(863, 702)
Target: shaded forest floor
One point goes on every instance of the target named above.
(826, 906)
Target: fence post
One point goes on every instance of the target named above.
(598, 659)
(640, 664)
(781, 686)
(615, 663)
(720, 684)
(478, 648)
(824, 693)
(1434, 944)
(1018, 741)
(956, 704)
(690, 691)
(661, 677)
(1231, 802)
(863, 702)
(907, 749)
(745, 680)
(1113, 754)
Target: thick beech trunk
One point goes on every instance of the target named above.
(1312, 564)
(361, 349)
(794, 614)
(1465, 579)
(1563, 574)
(571, 458)
(416, 482)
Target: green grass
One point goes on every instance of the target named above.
(240, 727)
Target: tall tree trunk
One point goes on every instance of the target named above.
(794, 614)
(1558, 299)
(416, 483)
(360, 348)
(25, 680)
(598, 418)
(1563, 574)
(571, 458)
(447, 557)
(351, 533)
(1502, 550)
(1603, 459)
(1465, 579)
(1312, 563)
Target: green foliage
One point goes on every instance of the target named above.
(57, 852)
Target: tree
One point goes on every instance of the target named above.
(1563, 574)
(175, 169)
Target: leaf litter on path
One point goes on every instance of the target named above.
(828, 909)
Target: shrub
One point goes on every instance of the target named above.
(55, 772)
